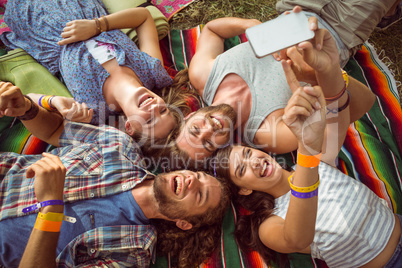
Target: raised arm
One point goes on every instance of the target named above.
(49, 175)
(305, 117)
(210, 44)
(43, 124)
(139, 18)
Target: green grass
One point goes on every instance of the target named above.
(387, 43)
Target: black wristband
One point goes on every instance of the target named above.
(32, 112)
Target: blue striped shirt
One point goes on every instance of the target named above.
(353, 224)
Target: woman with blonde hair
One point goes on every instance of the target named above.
(103, 69)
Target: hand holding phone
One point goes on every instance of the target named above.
(280, 33)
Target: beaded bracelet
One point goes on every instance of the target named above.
(307, 189)
(308, 161)
(31, 113)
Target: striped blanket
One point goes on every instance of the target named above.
(371, 153)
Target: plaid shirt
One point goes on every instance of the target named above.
(100, 162)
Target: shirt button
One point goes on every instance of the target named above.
(92, 194)
(92, 251)
(124, 186)
(87, 158)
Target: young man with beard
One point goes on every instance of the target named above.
(96, 181)
(256, 89)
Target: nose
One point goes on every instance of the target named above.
(192, 181)
(253, 162)
(155, 109)
(207, 130)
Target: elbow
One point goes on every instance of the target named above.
(299, 244)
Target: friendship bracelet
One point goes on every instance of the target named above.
(98, 26)
(307, 189)
(47, 225)
(304, 195)
(51, 216)
(44, 102)
(42, 204)
(31, 113)
(340, 109)
(308, 161)
(345, 77)
(106, 22)
(337, 96)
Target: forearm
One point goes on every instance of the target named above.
(46, 125)
(230, 26)
(41, 247)
(128, 18)
(300, 220)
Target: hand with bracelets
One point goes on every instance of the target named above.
(49, 173)
(81, 30)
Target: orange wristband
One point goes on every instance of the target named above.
(308, 161)
(47, 226)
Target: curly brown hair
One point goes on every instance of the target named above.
(259, 205)
(195, 246)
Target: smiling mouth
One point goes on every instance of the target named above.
(146, 101)
(177, 185)
(217, 123)
(266, 169)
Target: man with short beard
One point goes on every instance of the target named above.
(96, 182)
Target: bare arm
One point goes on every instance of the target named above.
(46, 125)
(306, 119)
(68, 108)
(49, 175)
(211, 44)
(139, 18)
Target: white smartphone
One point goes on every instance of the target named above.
(279, 33)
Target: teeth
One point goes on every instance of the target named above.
(217, 122)
(264, 167)
(146, 101)
(178, 185)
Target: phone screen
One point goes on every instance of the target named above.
(279, 33)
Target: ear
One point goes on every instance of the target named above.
(189, 115)
(184, 225)
(129, 129)
(244, 191)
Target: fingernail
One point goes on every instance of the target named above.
(313, 26)
(317, 105)
(318, 46)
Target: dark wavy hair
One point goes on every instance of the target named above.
(195, 246)
(259, 206)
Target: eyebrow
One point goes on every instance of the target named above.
(237, 168)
